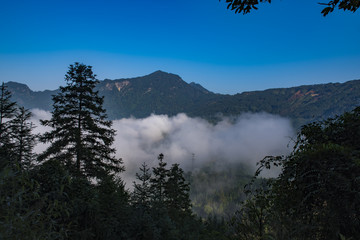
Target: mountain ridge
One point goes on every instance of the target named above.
(166, 93)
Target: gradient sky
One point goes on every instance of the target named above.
(286, 43)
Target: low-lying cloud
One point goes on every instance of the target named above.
(194, 141)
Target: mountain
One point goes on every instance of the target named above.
(158, 93)
(199, 87)
(166, 93)
(24, 96)
(302, 104)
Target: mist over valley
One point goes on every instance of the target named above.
(206, 133)
(194, 142)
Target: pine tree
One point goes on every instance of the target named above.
(163, 226)
(112, 211)
(81, 135)
(143, 224)
(142, 192)
(22, 139)
(7, 111)
(7, 107)
(177, 192)
(158, 181)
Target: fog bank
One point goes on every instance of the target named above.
(192, 142)
(250, 138)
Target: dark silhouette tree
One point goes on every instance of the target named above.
(246, 6)
(20, 216)
(7, 111)
(22, 139)
(163, 226)
(252, 220)
(170, 206)
(82, 136)
(158, 181)
(318, 190)
(177, 192)
(143, 222)
(7, 107)
(178, 204)
(142, 193)
(112, 210)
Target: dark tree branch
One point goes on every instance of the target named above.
(246, 6)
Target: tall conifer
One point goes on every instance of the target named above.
(82, 136)
(7, 107)
(142, 193)
(158, 181)
(7, 111)
(177, 192)
(22, 139)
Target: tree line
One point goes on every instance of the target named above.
(73, 189)
(316, 195)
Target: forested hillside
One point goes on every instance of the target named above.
(74, 188)
(165, 93)
(218, 190)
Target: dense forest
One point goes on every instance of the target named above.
(74, 190)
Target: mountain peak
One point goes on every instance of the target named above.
(164, 77)
(161, 73)
(16, 84)
(20, 87)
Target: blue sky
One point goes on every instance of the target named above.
(286, 43)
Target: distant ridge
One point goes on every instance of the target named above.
(166, 93)
(199, 87)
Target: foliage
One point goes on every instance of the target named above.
(246, 6)
(7, 111)
(23, 141)
(54, 199)
(214, 228)
(142, 193)
(322, 176)
(54, 189)
(20, 218)
(177, 192)
(254, 217)
(77, 208)
(317, 194)
(346, 5)
(47, 200)
(113, 210)
(162, 204)
(218, 189)
(16, 138)
(158, 182)
(81, 135)
(169, 200)
(7, 107)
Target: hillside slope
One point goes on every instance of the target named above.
(166, 93)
